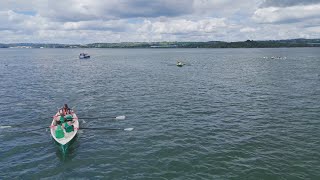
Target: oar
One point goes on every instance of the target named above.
(10, 126)
(111, 129)
(117, 118)
(3, 127)
(73, 109)
(26, 130)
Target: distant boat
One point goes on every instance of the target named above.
(179, 64)
(84, 56)
(278, 57)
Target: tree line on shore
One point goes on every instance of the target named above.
(209, 44)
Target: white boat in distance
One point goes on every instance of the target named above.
(84, 56)
(180, 64)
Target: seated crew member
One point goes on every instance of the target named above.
(65, 110)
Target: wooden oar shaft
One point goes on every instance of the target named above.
(111, 129)
(109, 117)
(103, 128)
(95, 117)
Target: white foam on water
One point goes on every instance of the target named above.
(20, 104)
(2, 127)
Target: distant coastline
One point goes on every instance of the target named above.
(209, 44)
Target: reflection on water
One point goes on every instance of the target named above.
(66, 154)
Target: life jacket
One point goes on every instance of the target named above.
(68, 128)
(59, 132)
(61, 119)
(68, 117)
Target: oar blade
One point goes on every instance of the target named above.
(120, 117)
(3, 127)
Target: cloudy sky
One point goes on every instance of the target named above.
(87, 21)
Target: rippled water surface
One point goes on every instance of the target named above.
(226, 114)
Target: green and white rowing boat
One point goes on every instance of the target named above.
(63, 136)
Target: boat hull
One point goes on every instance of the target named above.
(68, 137)
(180, 64)
(84, 57)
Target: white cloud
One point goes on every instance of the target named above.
(224, 8)
(83, 21)
(314, 29)
(286, 14)
(183, 26)
(98, 25)
(247, 30)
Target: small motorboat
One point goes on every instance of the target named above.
(65, 132)
(179, 64)
(84, 56)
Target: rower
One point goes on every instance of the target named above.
(63, 115)
(59, 119)
(65, 110)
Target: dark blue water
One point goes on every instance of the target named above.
(226, 114)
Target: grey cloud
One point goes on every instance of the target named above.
(287, 3)
(92, 10)
(155, 8)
